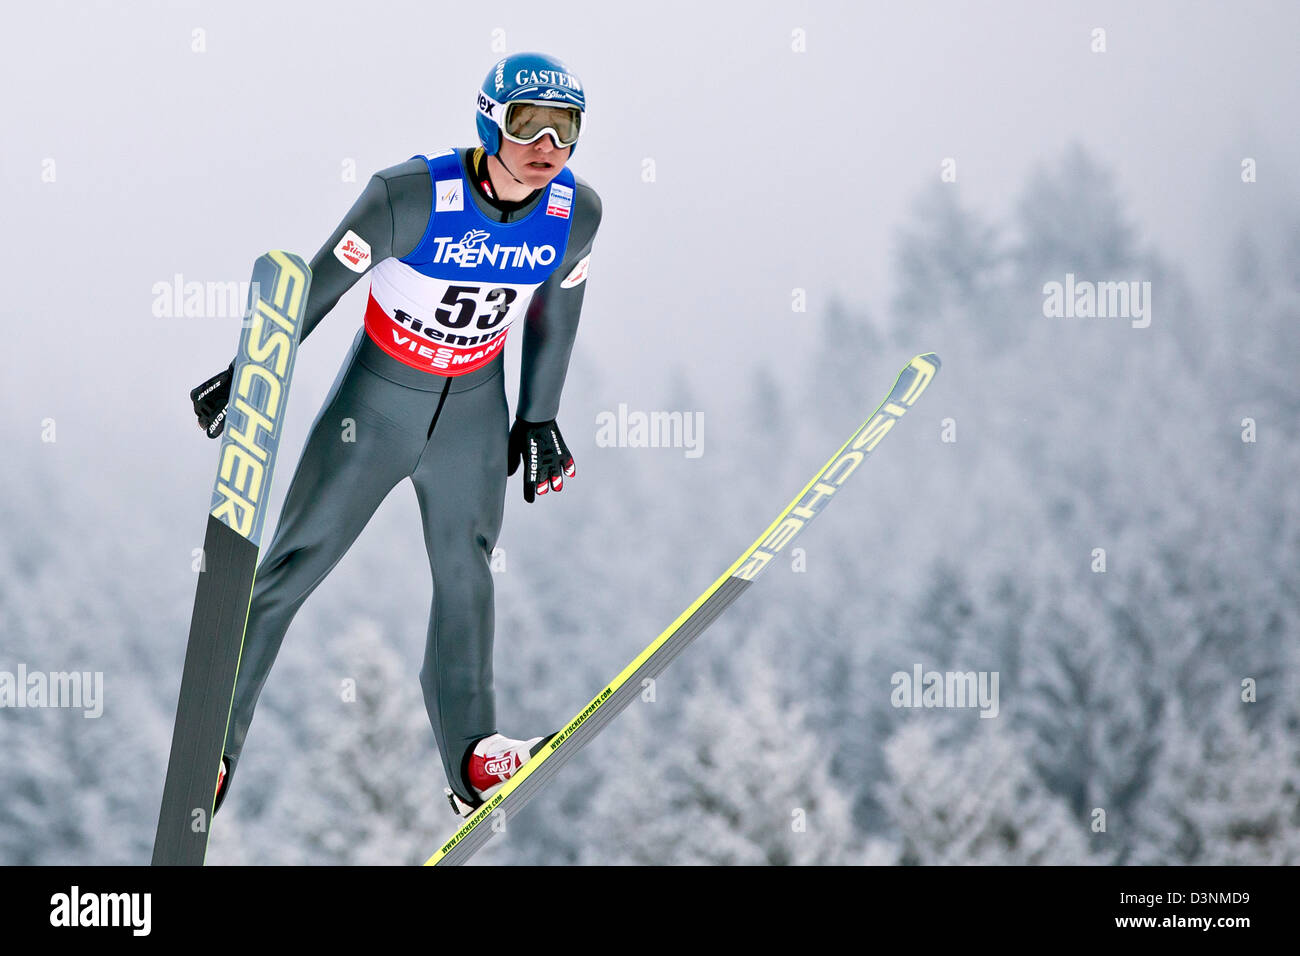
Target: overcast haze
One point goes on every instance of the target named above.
(775, 169)
(793, 146)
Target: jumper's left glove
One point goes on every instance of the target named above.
(546, 458)
(210, 400)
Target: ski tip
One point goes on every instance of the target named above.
(929, 357)
(284, 255)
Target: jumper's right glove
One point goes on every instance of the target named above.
(210, 400)
(545, 456)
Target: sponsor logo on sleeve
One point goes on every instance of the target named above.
(353, 252)
(579, 274)
(451, 195)
(560, 201)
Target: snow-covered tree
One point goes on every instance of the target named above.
(366, 785)
(737, 780)
(1224, 794)
(976, 802)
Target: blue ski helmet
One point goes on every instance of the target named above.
(526, 78)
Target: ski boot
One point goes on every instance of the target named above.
(489, 764)
(223, 782)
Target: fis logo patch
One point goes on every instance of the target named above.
(353, 252)
(560, 200)
(451, 196)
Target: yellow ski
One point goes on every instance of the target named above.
(605, 706)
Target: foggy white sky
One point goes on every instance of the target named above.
(775, 169)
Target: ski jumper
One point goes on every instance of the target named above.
(421, 395)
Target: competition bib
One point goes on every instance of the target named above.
(447, 306)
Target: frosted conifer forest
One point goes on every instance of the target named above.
(1094, 509)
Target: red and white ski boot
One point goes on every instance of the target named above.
(493, 761)
(223, 775)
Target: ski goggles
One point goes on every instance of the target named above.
(526, 122)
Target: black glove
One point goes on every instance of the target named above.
(210, 400)
(541, 448)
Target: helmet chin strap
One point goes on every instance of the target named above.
(507, 169)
